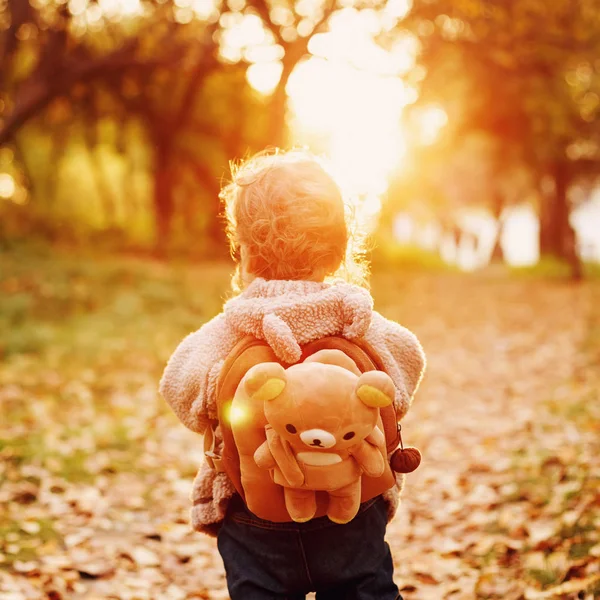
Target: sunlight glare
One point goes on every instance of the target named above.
(120, 8)
(237, 414)
(281, 15)
(397, 9)
(203, 9)
(241, 34)
(306, 8)
(431, 121)
(347, 100)
(350, 40)
(7, 186)
(358, 114)
(264, 77)
(371, 205)
(243, 30)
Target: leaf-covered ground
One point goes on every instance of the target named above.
(95, 471)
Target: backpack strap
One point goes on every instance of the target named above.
(210, 448)
(214, 459)
(245, 354)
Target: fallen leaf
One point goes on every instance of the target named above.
(425, 578)
(143, 556)
(95, 569)
(540, 531)
(570, 587)
(27, 567)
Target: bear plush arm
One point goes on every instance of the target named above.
(369, 459)
(401, 355)
(189, 381)
(282, 455)
(263, 457)
(376, 437)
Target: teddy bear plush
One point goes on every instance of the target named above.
(321, 428)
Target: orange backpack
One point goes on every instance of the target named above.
(264, 497)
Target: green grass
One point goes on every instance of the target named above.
(390, 256)
(553, 268)
(545, 577)
(64, 301)
(83, 342)
(25, 541)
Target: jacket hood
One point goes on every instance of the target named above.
(289, 314)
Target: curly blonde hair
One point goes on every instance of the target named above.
(289, 215)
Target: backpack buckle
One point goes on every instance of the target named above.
(214, 460)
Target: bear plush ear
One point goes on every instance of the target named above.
(375, 389)
(265, 381)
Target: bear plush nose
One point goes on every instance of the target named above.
(318, 438)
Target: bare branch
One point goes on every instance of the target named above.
(262, 8)
(330, 7)
(206, 63)
(35, 94)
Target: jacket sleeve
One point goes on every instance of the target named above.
(402, 356)
(189, 381)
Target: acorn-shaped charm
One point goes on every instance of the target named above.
(405, 460)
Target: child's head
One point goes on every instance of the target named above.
(286, 219)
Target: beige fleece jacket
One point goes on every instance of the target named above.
(285, 314)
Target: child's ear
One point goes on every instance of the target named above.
(265, 381)
(376, 389)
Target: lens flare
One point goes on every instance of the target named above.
(237, 414)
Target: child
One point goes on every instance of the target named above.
(291, 233)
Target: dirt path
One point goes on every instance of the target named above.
(471, 525)
(497, 352)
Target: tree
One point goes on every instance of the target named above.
(154, 68)
(46, 58)
(292, 30)
(523, 72)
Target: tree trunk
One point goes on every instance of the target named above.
(497, 256)
(216, 241)
(163, 198)
(276, 134)
(550, 229)
(276, 127)
(218, 245)
(107, 198)
(557, 236)
(568, 237)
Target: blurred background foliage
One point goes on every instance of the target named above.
(118, 117)
(467, 133)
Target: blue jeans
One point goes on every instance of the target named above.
(285, 561)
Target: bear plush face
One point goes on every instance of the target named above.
(318, 410)
(322, 406)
